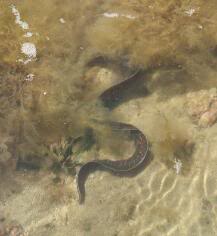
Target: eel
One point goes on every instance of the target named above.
(119, 166)
(109, 98)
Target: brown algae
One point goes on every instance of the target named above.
(49, 95)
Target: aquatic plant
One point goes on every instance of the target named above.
(173, 142)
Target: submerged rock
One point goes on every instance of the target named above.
(202, 107)
(12, 230)
(99, 79)
(209, 117)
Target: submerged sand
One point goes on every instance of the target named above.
(47, 93)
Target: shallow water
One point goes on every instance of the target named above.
(48, 95)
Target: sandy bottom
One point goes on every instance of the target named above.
(157, 201)
(45, 94)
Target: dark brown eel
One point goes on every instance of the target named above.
(108, 97)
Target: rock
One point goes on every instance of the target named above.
(209, 117)
(98, 79)
(12, 230)
(202, 107)
(15, 230)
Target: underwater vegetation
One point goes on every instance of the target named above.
(55, 96)
(62, 69)
(174, 144)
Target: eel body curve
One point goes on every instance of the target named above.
(119, 166)
(110, 97)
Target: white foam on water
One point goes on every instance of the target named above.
(62, 21)
(28, 34)
(22, 24)
(190, 11)
(29, 50)
(30, 77)
(115, 15)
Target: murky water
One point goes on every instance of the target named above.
(57, 57)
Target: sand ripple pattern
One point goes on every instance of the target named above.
(171, 204)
